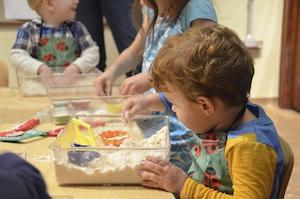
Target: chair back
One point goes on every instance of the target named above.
(3, 74)
(288, 164)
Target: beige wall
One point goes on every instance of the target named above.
(267, 27)
(232, 13)
(7, 36)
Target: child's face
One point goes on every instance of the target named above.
(65, 10)
(188, 112)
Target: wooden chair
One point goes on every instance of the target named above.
(288, 164)
(3, 74)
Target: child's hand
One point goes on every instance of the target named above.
(162, 174)
(135, 105)
(44, 70)
(136, 84)
(72, 69)
(103, 83)
(70, 74)
(46, 74)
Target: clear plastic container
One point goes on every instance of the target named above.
(35, 85)
(78, 162)
(63, 109)
(76, 91)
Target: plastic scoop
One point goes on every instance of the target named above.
(76, 127)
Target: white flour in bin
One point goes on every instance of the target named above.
(117, 166)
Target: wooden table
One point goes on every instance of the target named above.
(15, 108)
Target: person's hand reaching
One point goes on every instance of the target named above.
(136, 84)
(103, 84)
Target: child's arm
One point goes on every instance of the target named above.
(23, 61)
(128, 60)
(90, 56)
(20, 54)
(252, 168)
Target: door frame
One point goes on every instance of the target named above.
(289, 50)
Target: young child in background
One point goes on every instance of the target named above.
(54, 40)
(19, 179)
(206, 75)
(165, 18)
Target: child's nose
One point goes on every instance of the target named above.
(76, 1)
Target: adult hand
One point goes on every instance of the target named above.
(103, 83)
(136, 84)
(158, 173)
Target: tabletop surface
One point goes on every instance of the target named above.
(15, 109)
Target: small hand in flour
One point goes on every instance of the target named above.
(126, 117)
(133, 106)
(70, 75)
(158, 173)
(46, 74)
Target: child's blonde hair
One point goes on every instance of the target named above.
(211, 62)
(34, 4)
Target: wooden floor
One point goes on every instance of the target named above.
(287, 123)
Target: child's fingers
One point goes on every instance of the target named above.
(131, 107)
(149, 178)
(150, 184)
(124, 88)
(99, 87)
(108, 88)
(127, 106)
(152, 167)
(132, 91)
(157, 160)
(135, 109)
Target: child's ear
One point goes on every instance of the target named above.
(49, 4)
(206, 105)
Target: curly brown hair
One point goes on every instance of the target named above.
(210, 61)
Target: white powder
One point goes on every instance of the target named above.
(33, 85)
(32, 88)
(117, 165)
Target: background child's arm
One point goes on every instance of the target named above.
(90, 56)
(128, 60)
(252, 168)
(23, 61)
(21, 52)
